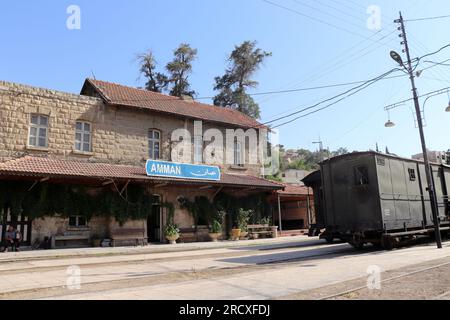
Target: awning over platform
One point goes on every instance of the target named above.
(40, 167)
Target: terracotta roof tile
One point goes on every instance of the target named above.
(41, 167)
(127, 96)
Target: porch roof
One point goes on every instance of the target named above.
(40, 167)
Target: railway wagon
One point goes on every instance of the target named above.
(369, 197)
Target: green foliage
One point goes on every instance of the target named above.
(244, 61)
(201, 209)
(274, 178)
(243, 219)
(156, 81)
(171, 230)
(266, 220)
(66, 200)
(180, 69)
(216, 227)
(303, 159)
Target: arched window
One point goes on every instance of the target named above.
(154, 144)
(238, 153)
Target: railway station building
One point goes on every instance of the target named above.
(73, 167)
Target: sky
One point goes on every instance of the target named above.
(313, 43)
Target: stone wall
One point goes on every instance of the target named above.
(119, 134)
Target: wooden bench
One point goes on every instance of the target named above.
(257, 230)
(69, 238)
(133, 235)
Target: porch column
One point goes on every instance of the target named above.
(279, 213)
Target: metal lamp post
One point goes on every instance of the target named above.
(428, 168)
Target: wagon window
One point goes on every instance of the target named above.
(361, 176)
(412, 174)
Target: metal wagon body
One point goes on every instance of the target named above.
(378, 198)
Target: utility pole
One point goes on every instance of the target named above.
(428, 169)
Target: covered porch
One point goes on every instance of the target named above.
(115, 201)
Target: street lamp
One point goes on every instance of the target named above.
(397, 58)
(389, 124)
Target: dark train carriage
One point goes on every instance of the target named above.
(378, 198)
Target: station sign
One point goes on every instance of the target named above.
(166, 169)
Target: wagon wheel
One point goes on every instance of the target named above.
(387, 242)
(329, 238)
(357, 242)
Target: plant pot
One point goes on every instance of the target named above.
(214, 236)
(235, 234)
(173, 239)
(244, 235)
(274, 230)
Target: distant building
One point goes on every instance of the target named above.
(440, 157)
(294, 176)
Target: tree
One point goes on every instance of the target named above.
(180, 69)
(244, 61)
(156, 81)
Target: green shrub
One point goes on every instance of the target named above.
(216, 227)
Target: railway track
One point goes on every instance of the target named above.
(391, 279)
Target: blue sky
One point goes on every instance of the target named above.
(39, 50)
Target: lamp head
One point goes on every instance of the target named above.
(389, 124)
(396, 57)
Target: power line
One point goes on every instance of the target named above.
(428, 18)
(371, 81)
(325, 107)
(314, 19)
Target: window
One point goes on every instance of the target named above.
(154, 144)
(83, 136)
(238, 153)
(198, 149)
(38, 131)
(361, 176)
(77, 222)
(412, 174)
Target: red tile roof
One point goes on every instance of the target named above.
(44, 167)
(127, 96)
(294, 190)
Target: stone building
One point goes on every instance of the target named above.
(101, 140)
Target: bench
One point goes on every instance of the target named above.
(136, 236)
(257, 230)
(70, 238)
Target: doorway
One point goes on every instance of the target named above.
(21, 222)
(154, 221)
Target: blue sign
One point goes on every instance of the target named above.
(166, 169)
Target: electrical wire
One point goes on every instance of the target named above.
(358, 88)
(314, 19)
(428, 18)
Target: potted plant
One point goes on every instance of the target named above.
(235, 233)
(267, 221)
(172, 233)
(216, 230)
(96, 241)
(243, 220)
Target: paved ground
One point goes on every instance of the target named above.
(290, 268)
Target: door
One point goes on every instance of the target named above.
(21, 222)
(154, 221)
